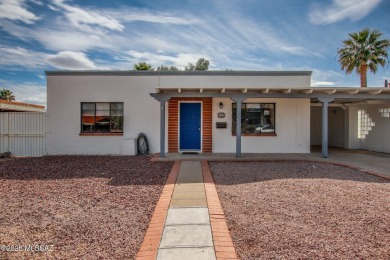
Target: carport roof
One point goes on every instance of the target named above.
(349, 93)
(286, 91)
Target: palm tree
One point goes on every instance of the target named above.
(364, 51)
(6, 94)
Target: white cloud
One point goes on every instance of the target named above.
(179, 60)
(71, 60)
(31, 59)
(16, 31)
(82, 18)
(37, 2)
(62, 40)
(16, 56)
(62, 35)
(340, 10)
(241, 32)
(330, 78)
(28, 92)
(266, 37)
(322, 83)
(139, 15)
(16, 10)
(206, 36)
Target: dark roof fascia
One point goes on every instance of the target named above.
(174, 73)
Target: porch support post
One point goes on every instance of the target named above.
(325, 105)
(238, 129)
(162, 129)
(238, 101)
(162, 99)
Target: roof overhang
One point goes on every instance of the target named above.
(174, 73)
(346, 93)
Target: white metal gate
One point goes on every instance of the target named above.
(23, 133)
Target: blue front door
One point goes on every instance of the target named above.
(190, 124)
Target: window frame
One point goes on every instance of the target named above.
(110, 132)
(254, 134)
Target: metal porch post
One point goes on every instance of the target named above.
(325, 105)
(162, 128)
(162, 98)
(238, 129)
(239, 101)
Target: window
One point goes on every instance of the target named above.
(256, 118)
(385, 112)
(102, 117)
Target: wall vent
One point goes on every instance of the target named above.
(385, 112)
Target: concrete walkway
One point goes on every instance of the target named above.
(188, 222)
(187, 233)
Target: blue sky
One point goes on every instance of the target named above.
(39, 35)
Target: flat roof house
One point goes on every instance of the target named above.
(96, 112)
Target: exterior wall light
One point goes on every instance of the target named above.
(220, 105)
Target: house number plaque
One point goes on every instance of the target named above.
(221, 115)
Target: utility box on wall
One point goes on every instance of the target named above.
(129, 146)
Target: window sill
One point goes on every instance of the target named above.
(101, 134)
(259, 134)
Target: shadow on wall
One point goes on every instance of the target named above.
(119, 170)
(234, 173)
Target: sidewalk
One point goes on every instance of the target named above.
(188, 222)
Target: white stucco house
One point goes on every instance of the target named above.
(98, 112)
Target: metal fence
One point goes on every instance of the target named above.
(23, 133)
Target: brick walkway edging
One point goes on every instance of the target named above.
(223, 244)
(151, 242)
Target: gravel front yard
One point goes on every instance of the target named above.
(303, 210)
(85, 207)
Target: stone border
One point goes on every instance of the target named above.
(152, 238)
(223, 244)
(360, 169)
(157, 158)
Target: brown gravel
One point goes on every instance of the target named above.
(87, 207)
(303, 210)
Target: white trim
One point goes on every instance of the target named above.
(348, 91)
(201, 126)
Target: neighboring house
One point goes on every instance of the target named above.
(97, 112)
(12, 106)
